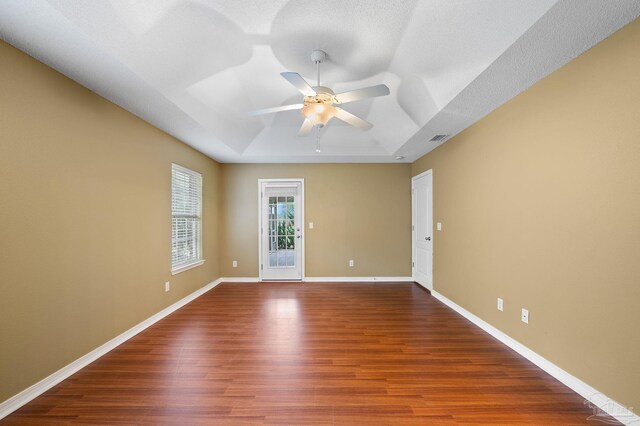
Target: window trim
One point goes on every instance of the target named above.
(197, 262)
(187, 267)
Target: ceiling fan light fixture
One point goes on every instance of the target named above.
(318, 114)
(320, 103)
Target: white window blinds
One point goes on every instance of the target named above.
(186, 217)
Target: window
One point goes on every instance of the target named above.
(186, 218)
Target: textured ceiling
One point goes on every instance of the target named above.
(195, 68)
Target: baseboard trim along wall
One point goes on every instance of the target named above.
(591, 395)
(32, 392)
(356, 279)
(323, 279)
(240, 280)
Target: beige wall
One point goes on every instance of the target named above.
(85, 214)
(360, 212)
(540, 205)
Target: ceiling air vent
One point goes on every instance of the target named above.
(438, 138)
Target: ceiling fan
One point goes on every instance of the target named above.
(320, 103)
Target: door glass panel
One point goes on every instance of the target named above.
(291, 258)
(282, 232)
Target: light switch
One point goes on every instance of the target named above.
(439, 226)
(310, 225)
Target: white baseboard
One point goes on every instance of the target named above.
(424, 286)
(591, 395)
(17, 401)
(357, 279)
(240, 280)
(323, 279)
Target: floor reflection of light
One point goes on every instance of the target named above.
(282, 308)
(282, 324)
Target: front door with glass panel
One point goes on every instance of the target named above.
(281, 230)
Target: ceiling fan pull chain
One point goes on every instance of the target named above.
(318, 67)
(318, 139)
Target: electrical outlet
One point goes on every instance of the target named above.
(525, 316)
(310, 225)
(234, 264)
(351, 263)
(167, 286)
(500, 304)
(439, 226)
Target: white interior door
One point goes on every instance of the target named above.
(422, 203)
(281, 230)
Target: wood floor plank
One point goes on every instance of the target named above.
(309, 354)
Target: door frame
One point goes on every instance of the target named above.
(302, 223)
(413, 225)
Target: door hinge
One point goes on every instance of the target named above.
(262, 266)
(413, 264)
(413, 228)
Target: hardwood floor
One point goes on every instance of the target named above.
(310, 354)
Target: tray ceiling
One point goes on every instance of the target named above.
(196, 68)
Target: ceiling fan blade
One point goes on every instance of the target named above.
(299, 83)
(355, 121)
(306, 128)
(359, 94)
(275, 109)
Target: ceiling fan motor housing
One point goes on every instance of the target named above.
(323, 95)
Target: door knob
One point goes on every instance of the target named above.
(427, 238)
